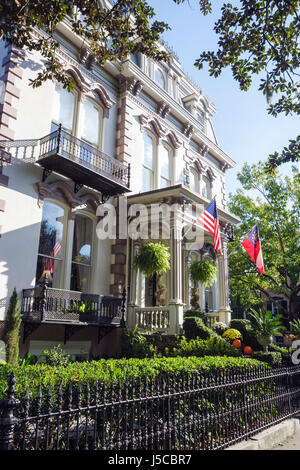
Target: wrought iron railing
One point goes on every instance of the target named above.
(183, 411)
(62, 143)
(152, 318)
(46, 304)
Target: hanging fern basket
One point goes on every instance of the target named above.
(151, 259)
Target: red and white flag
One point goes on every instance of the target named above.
(253, 247)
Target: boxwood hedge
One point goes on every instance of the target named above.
(117, 370)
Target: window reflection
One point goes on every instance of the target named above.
(165, 167)
(50, 251)
(63, 108)
(82, 252)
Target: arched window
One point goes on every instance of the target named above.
(148, 162)
(63, 111)
(82, 253)
(194, 180)
(91, 120)
(159, 77)
(206, 187)
(51, 245)
(165, 166)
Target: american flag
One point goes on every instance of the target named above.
(209, 220)
(49, 262)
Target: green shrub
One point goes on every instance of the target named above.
(274, 359)
(219, 328)
(116, 371)
(136, 344)
(213, 346)
(286, 355)
(195, 328)
(55, 356)
(11, 334)
(245, 328)
(198, 314)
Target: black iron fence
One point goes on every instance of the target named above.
(175, 412)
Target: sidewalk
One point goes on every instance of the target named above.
(292, 443)
(282, 436)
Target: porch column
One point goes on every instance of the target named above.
(224, 303)
(176, 280)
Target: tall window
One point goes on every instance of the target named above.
(63, 108)
(159, 77)
(148, 163)
(165, 167)
(82, 253)
(90, 122)
(50, 253)
(194, 180)
(206, 187)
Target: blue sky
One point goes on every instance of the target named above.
(242, 125)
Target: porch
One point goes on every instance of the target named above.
(172, 227)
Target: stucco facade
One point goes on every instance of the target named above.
(153, 122)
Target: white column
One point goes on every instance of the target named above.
(175, 303)
(224, 304)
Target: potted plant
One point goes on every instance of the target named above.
(154, 259)
(265, 326)
(203, 271)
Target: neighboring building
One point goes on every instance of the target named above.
(139, 129)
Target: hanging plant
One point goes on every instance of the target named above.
(205, 272)
(154, 259)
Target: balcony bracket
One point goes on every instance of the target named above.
(46, 173)
(103, 331)
(28, 329)
(77, 187)
(70, 330)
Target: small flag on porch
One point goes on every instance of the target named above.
(209, 220)
(252, 246)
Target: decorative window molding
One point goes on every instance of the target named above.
(62, 192)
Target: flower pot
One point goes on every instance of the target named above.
(265, 341)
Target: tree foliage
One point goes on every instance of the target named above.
(276, 211)
(261, 37)
(107, 34)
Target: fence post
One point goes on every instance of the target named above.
(7, 419)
